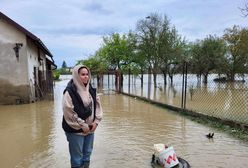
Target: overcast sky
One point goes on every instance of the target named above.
(73, 29)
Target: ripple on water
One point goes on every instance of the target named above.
(32, 134)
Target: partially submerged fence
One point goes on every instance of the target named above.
(226, 101)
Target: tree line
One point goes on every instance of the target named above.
(155, 47)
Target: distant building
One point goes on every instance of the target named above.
(69, 69)
(26, 65)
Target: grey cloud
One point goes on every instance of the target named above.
(79, 31)
(96, 8)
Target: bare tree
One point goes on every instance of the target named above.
(244, 10)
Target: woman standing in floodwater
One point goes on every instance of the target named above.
(82, 112)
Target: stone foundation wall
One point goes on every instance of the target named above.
(11, 94)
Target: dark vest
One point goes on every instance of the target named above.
(82, 111)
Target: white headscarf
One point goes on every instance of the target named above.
(82, 90)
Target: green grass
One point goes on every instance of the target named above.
(235, 130)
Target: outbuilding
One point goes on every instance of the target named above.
(26, 65)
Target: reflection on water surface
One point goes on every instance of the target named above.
(31, 136)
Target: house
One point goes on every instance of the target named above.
(26, 65)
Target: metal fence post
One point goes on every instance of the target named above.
(185, 85)
(182, 98)
(149, 82)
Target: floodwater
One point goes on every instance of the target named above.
(227, 101)
(32, 137)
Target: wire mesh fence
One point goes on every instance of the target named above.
(227, 101)
(223, 100)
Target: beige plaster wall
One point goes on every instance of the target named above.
(13, 72)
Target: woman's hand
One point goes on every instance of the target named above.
(85, 129)
(93, 127)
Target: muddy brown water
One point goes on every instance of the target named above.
(32, 137)
(227, 101)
